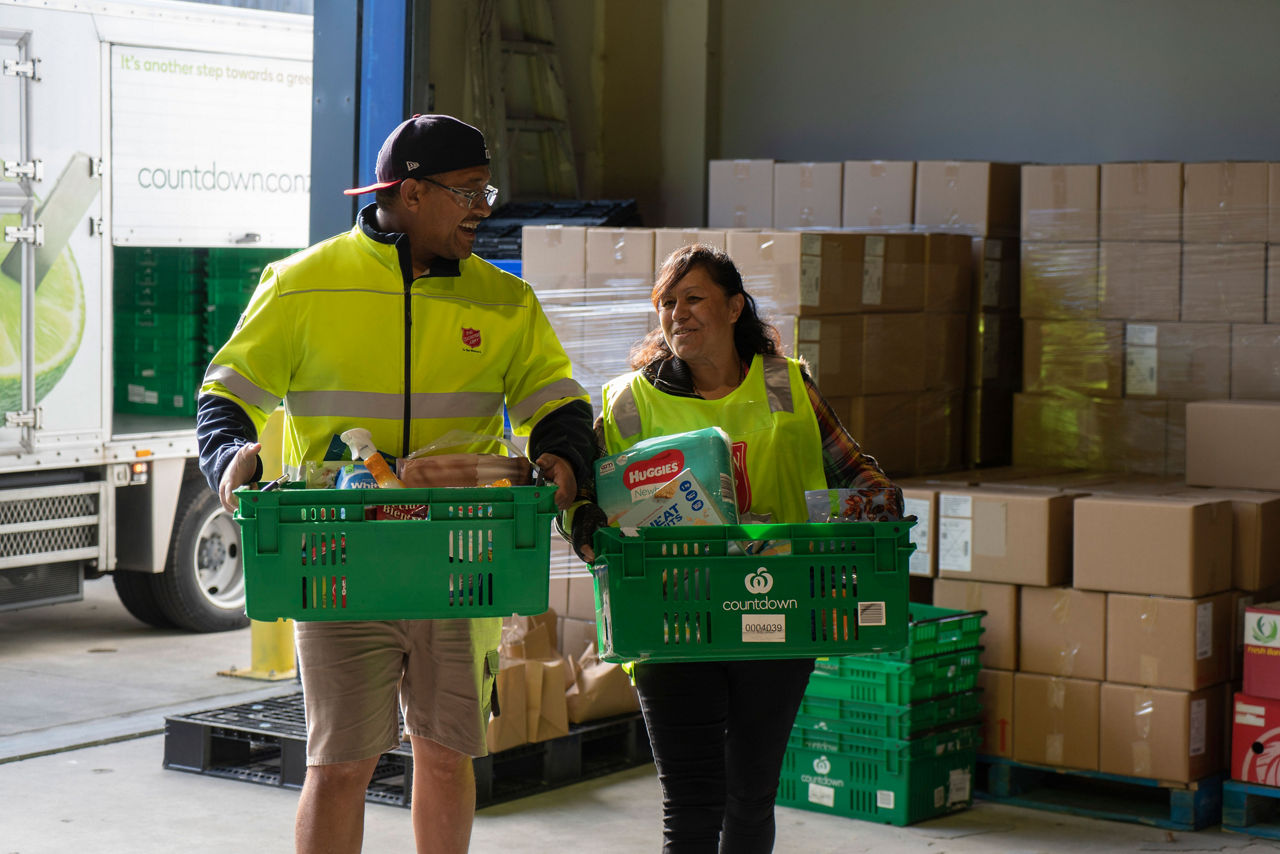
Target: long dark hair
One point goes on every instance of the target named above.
(751, 335)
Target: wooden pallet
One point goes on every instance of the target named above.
(265, 742)
(1093, 794)
(1251, 808)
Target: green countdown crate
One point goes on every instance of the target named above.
(883, 780)
(695, 594)
(934, 630)
(881, 720)
(324, 554)
(879, 679)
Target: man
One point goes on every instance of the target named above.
(397, 328)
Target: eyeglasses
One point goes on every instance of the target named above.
(489, 193)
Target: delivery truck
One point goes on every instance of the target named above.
(154, 155)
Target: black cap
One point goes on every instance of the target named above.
(426, 145)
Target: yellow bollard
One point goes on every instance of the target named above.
(271, 651)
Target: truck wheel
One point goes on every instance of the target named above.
(202, 586)
(138, 594)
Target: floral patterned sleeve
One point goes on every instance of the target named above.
(846, 465)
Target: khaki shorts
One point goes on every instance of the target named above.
(352, 673)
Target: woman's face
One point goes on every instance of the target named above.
(697, 317)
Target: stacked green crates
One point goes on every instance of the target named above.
(159, 301)
(891, 738)
(233, 275)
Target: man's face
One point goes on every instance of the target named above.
(442, 226)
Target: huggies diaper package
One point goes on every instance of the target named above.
(696, 469)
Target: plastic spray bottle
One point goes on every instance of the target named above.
(360, 441)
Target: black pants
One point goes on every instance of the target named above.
(719, 731)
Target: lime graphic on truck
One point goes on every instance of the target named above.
(59, 326)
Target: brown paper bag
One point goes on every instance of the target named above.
(601, 690)
(532, 638)
(548, 715)
(465, 470)
(511, 728)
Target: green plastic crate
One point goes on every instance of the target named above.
(877, 679)
(678, 594)
(242, 262)
(149, 322)
(149, 296)
(230, 290)
(159, 259)
(881, 720)
(884, 780)
(160, 394)
(935, 630)
(312, 554)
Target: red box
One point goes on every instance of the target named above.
(1262, 650)
(1255, 740)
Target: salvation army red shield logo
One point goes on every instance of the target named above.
(741, 479)
(471, 337)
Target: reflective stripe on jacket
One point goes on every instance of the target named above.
(768, 417)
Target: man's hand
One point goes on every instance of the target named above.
(240, 471)
(558, 471)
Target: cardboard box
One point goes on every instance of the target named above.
(668, 240)
(1233, 443)
(582, 597)
(1000, 625)
(740, 194)
(1060, 202)
(862, 354)
(995, 350)
(1182, 361)
(1059, 280)
(1273, 277)
(1255, 362)
(1063, 632)
(1255, 551)
(554, 263)
(769, 262)
(1273, 202)
(940, 433)
(1255, 739)
(922, 503)
(619, 286)
(878, 193)
(1092, 433)
(1224, 282)
(1139, 280)
(971, 197)
(948, 273)
(1165, 642)
(1224, 202)
(1175, 439)
(997, 713)
(1011, 536)
(807, 195)
(1165, 545)
(1261, 665)
(989, 428)
(908, 434)
(997, 262)
(1141, 201)
(847, 273)
(1161, 734)
(1070, 357)
(1057, 721)
(944, 357)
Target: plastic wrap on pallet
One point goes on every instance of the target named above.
(668, 240)
(1224, 282)
(619, 314)
(1139, 280)
(908, 434)
(1177, 361)
(1175, 736)
(878, 193)
(1060, 203)
(1101, 434)
(995, 350)
(1141, 201)
(969, 197)
(1073, 357)
(1059, 281)
(807, 195)
(996, 274)
(1224, 202)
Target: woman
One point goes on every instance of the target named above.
(719, 729)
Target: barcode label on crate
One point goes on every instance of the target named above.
(884, 799)
(958, 790)
(822, 795)
(871, 614)
(939, 797)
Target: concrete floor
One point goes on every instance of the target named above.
(84, 690)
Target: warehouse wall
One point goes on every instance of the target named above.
(1067, 81)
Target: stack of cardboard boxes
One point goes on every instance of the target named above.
(1144, 287)
(1113, 610)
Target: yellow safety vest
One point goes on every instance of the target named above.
(777, 447)
(332, 332)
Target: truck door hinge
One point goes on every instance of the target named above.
(32, 170)
(95, 226)
(34, 234)
(13, 68)
(33, 418)
(95, 167)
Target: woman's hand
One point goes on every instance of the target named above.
(558, 471)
